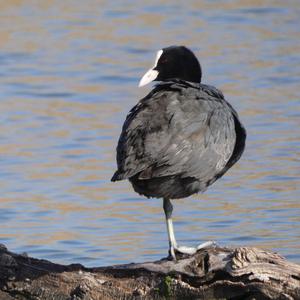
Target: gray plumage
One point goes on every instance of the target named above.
(178, 140)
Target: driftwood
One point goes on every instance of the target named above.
(212, 273)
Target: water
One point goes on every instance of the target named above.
(69, 74)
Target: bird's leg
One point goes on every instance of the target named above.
(168, 209)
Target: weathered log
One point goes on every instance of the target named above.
(212, 273)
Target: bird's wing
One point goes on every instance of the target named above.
(188, 132)
(134, 154)
(201, 148)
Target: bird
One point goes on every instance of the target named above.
(180, 138)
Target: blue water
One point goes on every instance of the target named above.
(69, 74)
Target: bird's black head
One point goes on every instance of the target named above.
(174, 62)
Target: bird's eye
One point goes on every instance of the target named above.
(163, 61)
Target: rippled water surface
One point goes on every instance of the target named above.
(69, 73)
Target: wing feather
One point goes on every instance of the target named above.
(188, 132)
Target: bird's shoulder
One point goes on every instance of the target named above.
(175, 105)
(176, 94)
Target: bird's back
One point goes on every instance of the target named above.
(178, 140)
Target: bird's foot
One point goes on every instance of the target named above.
(186, 250)
(193, 250)
(190, 250)
(207, 245)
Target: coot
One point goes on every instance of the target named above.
(180, 138)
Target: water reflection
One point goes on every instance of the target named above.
(69, 74)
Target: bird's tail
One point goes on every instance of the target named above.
(117, 176)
